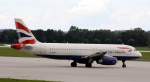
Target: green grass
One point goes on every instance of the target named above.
(145, 56)
(1, 45)
(14, 53)
(143, 48)
(17, 80)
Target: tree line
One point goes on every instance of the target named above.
(134, 37)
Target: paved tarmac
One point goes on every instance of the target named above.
(60, 70)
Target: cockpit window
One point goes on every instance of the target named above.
(132, 49)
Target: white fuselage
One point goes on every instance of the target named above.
(68, 49)
(105, 54)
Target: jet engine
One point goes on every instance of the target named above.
(107, 60)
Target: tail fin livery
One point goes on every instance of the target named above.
(25, 35)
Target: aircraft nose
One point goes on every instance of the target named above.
(139, 54)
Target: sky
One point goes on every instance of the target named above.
(86, 14)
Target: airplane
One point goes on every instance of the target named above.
(105, 54)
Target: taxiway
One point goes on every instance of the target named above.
(60, 70)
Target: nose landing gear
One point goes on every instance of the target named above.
(123, 64)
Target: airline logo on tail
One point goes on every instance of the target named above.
(25, 34)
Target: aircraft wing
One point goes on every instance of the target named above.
(95, 56)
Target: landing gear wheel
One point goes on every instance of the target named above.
(89, 65)
(124, 64)
(73, 64)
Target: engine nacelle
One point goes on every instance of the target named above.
(107, 60)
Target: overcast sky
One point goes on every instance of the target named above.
(89, 14)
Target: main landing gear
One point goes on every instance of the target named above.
(89, 65)
(74, 64)
(123, 64)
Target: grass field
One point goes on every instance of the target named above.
(146, 55)
(14, 53)
(143, 48)
(17, 80)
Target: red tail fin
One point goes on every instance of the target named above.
(25, 34)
